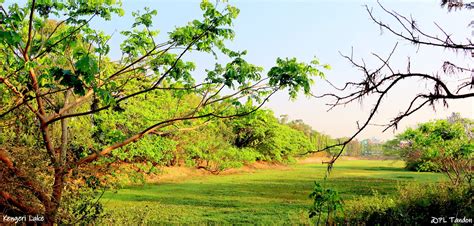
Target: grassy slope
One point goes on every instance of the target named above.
(265, 196)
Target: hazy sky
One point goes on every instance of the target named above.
(304, 29)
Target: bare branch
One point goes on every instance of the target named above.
(30, 28)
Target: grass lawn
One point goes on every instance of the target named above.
(270, 196)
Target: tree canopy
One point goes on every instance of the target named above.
(67, 105)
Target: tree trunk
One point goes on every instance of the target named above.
(51, 211)
(64, 133)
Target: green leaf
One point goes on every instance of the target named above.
(10, 37)
(87, 67)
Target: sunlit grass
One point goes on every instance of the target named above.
(271, 196)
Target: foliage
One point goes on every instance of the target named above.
(442, 145)
(273, 140)
(84, 202)
(415, 204)
(319, 141)
(211, 148)
(284, 144)
(65, 103)
(367, 210)
(325, 200)
(255, 129)
(301, 126)
(291, 74)
(232, 143)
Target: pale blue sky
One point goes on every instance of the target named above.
(303, 29)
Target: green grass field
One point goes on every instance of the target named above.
(270, 196)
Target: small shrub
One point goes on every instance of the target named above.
(325, 200)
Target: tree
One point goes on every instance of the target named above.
(379, 82)
(443, 146)
(58, 78)
(274, 141)
(354, 148)
(318, 140)
(253, 130)
(301, 126)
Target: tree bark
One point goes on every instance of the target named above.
(64, 133)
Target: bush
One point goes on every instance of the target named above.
(440, 146)
(367, 209)
(416, 204)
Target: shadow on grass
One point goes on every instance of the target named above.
(264, 193)
(372, 168)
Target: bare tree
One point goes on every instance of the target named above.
(380, 81)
